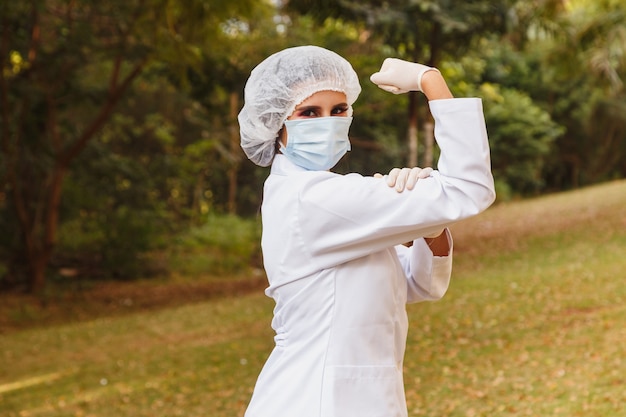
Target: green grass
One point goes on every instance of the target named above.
(534, 324)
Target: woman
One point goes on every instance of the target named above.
(332, 244)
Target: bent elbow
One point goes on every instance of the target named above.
(434, 293)
(488, 197)
(471, 195)
(437, 292)
(434, 284)
(483, 195)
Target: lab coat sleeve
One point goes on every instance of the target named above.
(428, 276)
(344, 217)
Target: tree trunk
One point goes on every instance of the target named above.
(429, 125)
(51, 222)
(234, 154)
(38, 211)
(429, 143)
(412, 135)
(38, 274)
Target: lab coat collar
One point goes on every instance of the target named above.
(283, 166)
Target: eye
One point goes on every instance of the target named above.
(339, 110)
(308, 113)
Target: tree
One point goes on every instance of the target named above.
(218, 85)
(575, 68)
(587, 62)
(65, 67)
(421, 31)
(132, 184)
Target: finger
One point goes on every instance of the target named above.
(385, 77)
(378, 78)
(378, 175)
(392, 177)
(390, 89)
(381, 75)
(402, 179)
(425, 173)
(387, 63)
(414, 176)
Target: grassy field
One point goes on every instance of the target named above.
(534, 324)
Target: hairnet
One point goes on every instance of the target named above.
(281, 82)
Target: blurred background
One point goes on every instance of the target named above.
(120, 155)
(131, 279)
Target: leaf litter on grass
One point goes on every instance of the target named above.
(533, 325)
(534, 321)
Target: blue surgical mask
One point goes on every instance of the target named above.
(317, 144)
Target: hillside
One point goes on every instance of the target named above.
(533, 325)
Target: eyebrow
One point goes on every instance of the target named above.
(320, 107)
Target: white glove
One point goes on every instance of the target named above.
(405, 177)
(398, 76)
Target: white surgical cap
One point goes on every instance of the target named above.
(281, 82)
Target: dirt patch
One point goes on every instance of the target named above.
(507, 226)
(104, 299)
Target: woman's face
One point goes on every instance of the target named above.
(321, 104)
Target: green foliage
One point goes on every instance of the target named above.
(521, 136)
(587, 63)
(110, 236)
(572, 64)
(65, 67)
(225, 244)
(133, 105)
(122, 198)
(521, 133)
(417, 29)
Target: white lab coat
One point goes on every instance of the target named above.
(341, 278)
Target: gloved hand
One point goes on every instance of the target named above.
(398, 76)
(405, 177)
